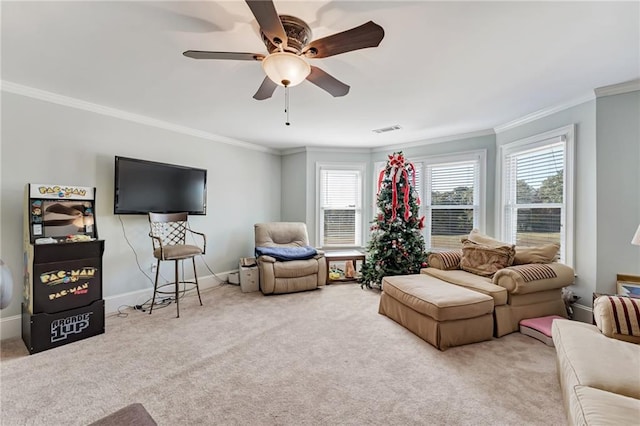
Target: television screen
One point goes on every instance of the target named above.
(147, 186)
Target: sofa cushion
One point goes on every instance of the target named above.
(545, 253)
(541, 254)
(285, 234)
(470, 281)
(485, 260)
(593, 406)
(295, 268)
(589, 358)
(445, 260)
(176, 252)
(618, 317)
(437, 299)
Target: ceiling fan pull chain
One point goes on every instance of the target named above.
(286, 104)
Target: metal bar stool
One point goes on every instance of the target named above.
(168, 234)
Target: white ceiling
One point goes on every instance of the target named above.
(442, 69)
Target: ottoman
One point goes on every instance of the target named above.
(443, 314)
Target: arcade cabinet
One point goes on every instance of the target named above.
(62, 300)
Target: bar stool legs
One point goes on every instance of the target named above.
(155, 286)
(177, 286)
(195, 276)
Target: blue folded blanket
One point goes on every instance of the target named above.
(287, 253)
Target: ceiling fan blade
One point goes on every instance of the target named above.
(327, 82)
(203, 54)
(366, 35)
(266, 89)
(269, 21)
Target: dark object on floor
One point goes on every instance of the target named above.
(131, 415)
(569, 299)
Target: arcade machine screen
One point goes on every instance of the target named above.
(61, 218)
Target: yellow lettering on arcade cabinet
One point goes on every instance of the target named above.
(52, 276)
(65, 192)
(60, 277)
(84, 273)
(80, 289)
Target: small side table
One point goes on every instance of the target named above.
(340, 256)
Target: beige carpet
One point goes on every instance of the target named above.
(324, 357)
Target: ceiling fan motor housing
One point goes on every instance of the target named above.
(298, 35)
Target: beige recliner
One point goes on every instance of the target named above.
(277, 276)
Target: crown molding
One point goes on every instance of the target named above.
(291, 151)
(348, 150)
(618, 89)
(479, 133)
(544, 112)
(43, 95)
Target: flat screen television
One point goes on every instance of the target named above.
(147, 186)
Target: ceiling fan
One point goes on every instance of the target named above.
(287, 41)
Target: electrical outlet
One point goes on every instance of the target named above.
(153, 267)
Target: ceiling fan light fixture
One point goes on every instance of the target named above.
(286, 69)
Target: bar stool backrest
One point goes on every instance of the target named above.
(171, 228)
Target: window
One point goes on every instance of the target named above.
(453, 198)
(537, 189)
(340, 204)
(450, 189)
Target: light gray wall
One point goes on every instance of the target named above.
(585, 217)
(618, 187)
(44, 142)
(487, 143)
(294, 187)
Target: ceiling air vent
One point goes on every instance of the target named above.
(387, 129)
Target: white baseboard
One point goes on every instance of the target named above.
(11, 327)
(138, 297)
(582, 313)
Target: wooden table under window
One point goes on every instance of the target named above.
(342, 256)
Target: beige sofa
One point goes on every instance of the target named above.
(599, 375)
(523, 290)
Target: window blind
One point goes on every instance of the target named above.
(340, 205)
(535, 194)
(451, 202)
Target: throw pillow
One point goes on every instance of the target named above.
(542, 254)
(445, 260)
(484, 260)
(480, 238)
(618, 317)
